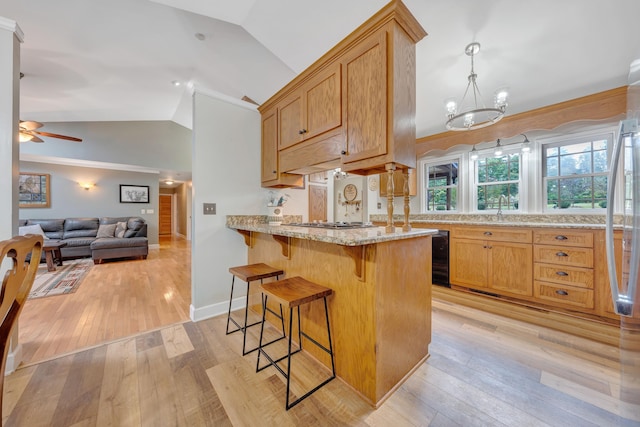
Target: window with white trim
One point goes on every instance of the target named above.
(441, 186)
(575, 172)
(497, 181)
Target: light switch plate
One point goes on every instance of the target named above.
(208, 208)
(142, 211)
(150, 211)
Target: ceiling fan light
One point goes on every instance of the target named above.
(24, 137)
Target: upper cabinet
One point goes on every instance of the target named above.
(311, 110)
(354, 108)
(270, 174)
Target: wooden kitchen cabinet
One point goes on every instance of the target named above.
(270, 172)
(354, 108)
(311, 110)
(490, 259)
(564, 268)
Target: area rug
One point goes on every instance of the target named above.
(65, 280)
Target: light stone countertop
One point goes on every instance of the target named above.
(351, 237)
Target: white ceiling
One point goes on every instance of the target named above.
(88, 60)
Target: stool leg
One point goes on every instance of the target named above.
(246, 312)
(264, 313)
(299, 330)
(233, 278)
(289, 351)
(326, 313)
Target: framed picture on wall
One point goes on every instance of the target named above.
(34, 190)
(134, 193)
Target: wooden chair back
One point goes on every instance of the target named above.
(16, 285)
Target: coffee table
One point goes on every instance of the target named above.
(52, 254)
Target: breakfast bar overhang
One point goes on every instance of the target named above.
(380, 310)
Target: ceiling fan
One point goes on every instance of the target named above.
(28, 132)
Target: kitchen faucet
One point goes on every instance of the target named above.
(499, 213)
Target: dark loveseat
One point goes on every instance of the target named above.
(96, 237)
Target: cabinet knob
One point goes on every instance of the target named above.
(562, 292)
(343, 152)
(302, 131)
(488, 233)
(561, 237)
(561, 254)
(275, 172)
(562, 273)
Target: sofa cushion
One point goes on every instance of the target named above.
(32, 229)
(106, 230)
(114, 242)
(78, 241)
(121, 228)
(113, 219)
(80, 227)
(53, 228)
(134, 227)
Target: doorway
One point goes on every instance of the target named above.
(165, 216)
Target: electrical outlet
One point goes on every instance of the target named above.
(208, 208)
(379, 205)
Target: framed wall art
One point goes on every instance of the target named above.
(134, 193)
(34, 190)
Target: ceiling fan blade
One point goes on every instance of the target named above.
(30, 125)
(36, 139)
(55, 135)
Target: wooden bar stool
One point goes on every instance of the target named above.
(250, 273)
(294, 292)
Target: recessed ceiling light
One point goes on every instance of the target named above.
(200, 36)
(176, 83)
(168, 182)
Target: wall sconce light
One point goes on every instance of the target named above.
(526, 144)
(87, 185)
(497, 151)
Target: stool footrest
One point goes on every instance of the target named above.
(315, 342)
(272, 362)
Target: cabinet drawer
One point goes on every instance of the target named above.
(493, 234)
(563, 238)
(564, 275)
(563, 295)
(577, 257)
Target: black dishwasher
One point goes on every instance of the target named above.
(440, 258)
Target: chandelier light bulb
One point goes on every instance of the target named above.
(500, 99)
(452, 108)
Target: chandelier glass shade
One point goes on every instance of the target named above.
(473, 114)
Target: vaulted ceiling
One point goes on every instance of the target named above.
(88, 60)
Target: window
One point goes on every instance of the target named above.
(441, 186)
(575, 172)
(498, 182)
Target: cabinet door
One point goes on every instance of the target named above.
(511, 268)
(269, 146)
(364, 99)
(323, 109)
(469, 263)
(290, 123)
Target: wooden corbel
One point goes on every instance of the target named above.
(357, 253)
(285, 242)
(248, 237)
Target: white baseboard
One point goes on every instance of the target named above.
(14, 359)
(154, 246)
(214, 310)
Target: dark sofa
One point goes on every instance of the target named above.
(81, 237)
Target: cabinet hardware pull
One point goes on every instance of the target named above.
(562, 292)
(561, 254)
(562, 273)
(275, 171)
(561, 237)
(343, 152)
(489, 247)
(488, 233)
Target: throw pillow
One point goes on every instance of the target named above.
(106, 230)
(32, 229)
(121, 227)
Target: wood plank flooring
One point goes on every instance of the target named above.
(117, 299)
(484, 370)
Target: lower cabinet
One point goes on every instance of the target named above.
(480, 259)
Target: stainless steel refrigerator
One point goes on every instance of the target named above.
(624, 193)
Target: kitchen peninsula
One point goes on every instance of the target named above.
(380, 311)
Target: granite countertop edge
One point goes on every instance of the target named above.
(352, 237)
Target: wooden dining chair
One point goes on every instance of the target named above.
(16, 285)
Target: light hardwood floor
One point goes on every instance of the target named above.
(117, 299)
(484, 370)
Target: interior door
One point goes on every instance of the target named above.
(317, 203)
(165, 214)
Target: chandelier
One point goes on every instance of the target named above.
(475, 116)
